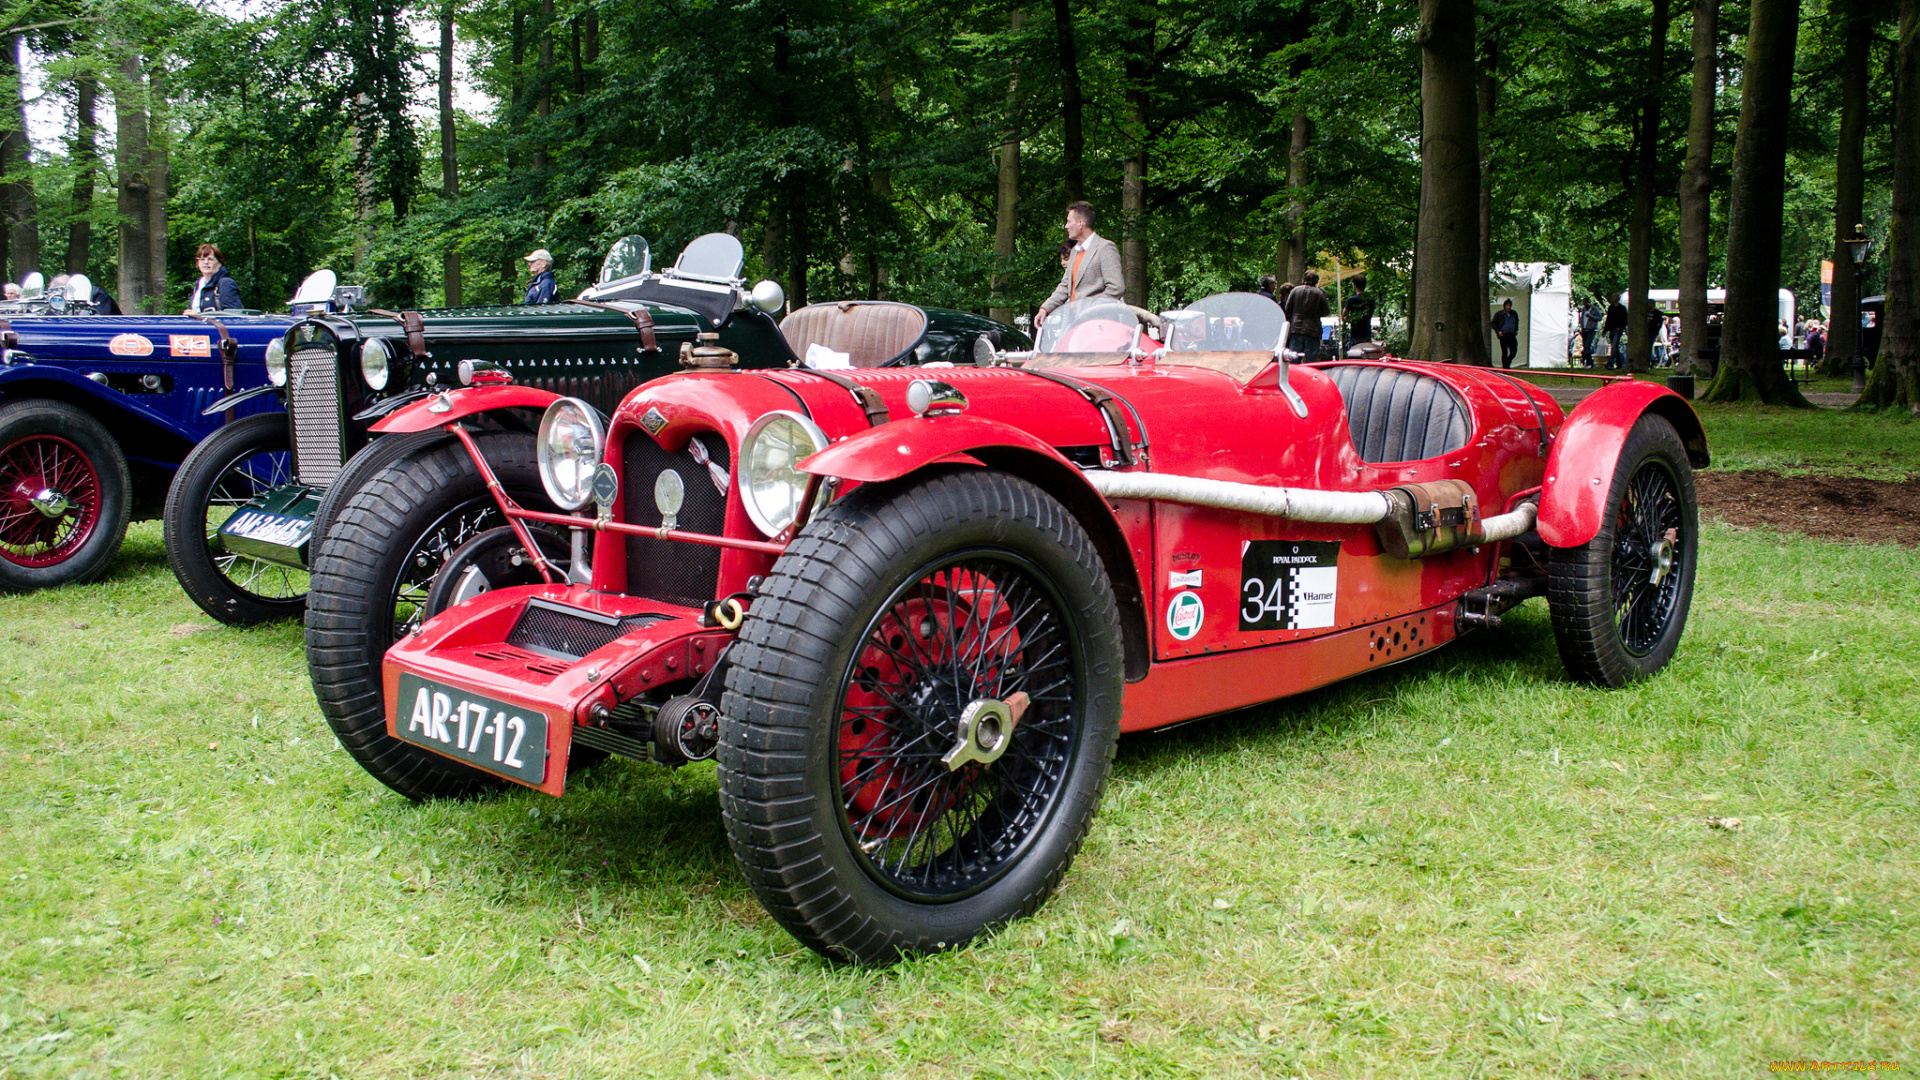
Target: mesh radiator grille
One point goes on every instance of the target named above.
(672, 570)
(314, 411)
(569, 633)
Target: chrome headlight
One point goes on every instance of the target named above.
(376, 363)
(277, 362)
(570, 443)
(771, 482)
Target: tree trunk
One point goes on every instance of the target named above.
(84, 150)
(22, 216)
(1006, 196)
(1895, 380)
(1696, 186)
(1140, 72)
(158, 163)
(510, 263)
(1072, 135)
(449, 154)
(130, 160)
(1447, 251)
(1489, 66)
(1750, 339)
(1849, 181)
(545, 103)
(1299, 138)
(1640, 221)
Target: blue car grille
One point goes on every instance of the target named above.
(673, 570)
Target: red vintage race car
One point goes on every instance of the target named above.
(911, 611)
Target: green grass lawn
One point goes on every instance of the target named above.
(1463, 865)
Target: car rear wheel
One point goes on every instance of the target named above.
(371, 579)
(1619, 602)
(64, 496)
(226, 471)
(920, 715)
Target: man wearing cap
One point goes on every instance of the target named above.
(540, 289)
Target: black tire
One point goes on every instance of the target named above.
(1619, 602)
(226, 471)
(825, 702)
(56, 448)
(370, 580)
(373, 458)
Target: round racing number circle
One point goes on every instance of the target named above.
(1185, 613)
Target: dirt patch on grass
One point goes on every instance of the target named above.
(1823, 507)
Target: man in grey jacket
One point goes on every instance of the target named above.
(1092, 270)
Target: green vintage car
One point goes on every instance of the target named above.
(247, 508)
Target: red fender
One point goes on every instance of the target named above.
(1587, 450)
(893, 450)
(464, 401)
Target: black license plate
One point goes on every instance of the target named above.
(487, 734)
(259, 525)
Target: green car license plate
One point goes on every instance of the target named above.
(487, 734)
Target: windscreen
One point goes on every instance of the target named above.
(1098, 324)
(1226, 322)
(713, 257)
(629, 257)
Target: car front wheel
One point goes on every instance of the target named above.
(226, 471)
(1619, 602)
(920, 715)
(64, 496)
(371, 578)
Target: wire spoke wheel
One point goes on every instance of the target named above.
(920, 714)
(231, 468)
(970, 628)
(429, 553)
(50, 497)
(239, 483)
(1619, 602)
(1648, 536)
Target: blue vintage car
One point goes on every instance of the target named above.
(96, 414)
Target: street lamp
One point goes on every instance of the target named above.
(1859, 249)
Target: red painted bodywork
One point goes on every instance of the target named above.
(1182, 420)
(1580, 470)
(464, 401)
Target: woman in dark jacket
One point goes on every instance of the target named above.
(216, 290)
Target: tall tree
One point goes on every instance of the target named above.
(1856, 19)
(1640, 224)
(1006, 216)
(83, 150)
(21, 210)
(449, 154)
(130, 165)
(1489, 86)
(1750, 340)
(1447, 252)
(1696, 184)
(1142, 67)
(1073, 139)
(159, 169)
(1293, 262)
(1895, 380)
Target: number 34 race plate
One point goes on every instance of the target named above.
(487, 734)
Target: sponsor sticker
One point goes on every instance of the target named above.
(1185, 614)
(130, 345)
(1178, 580)
(653, 421)
(1288, 584)
(189, 345)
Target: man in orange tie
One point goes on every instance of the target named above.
(1092, 270)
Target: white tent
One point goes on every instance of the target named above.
(1542, 295)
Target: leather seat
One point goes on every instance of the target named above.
(1399, 415)
(873, 333)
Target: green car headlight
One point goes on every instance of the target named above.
(277, 362)
(570, 442)
(771, 482)
(376, 363)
